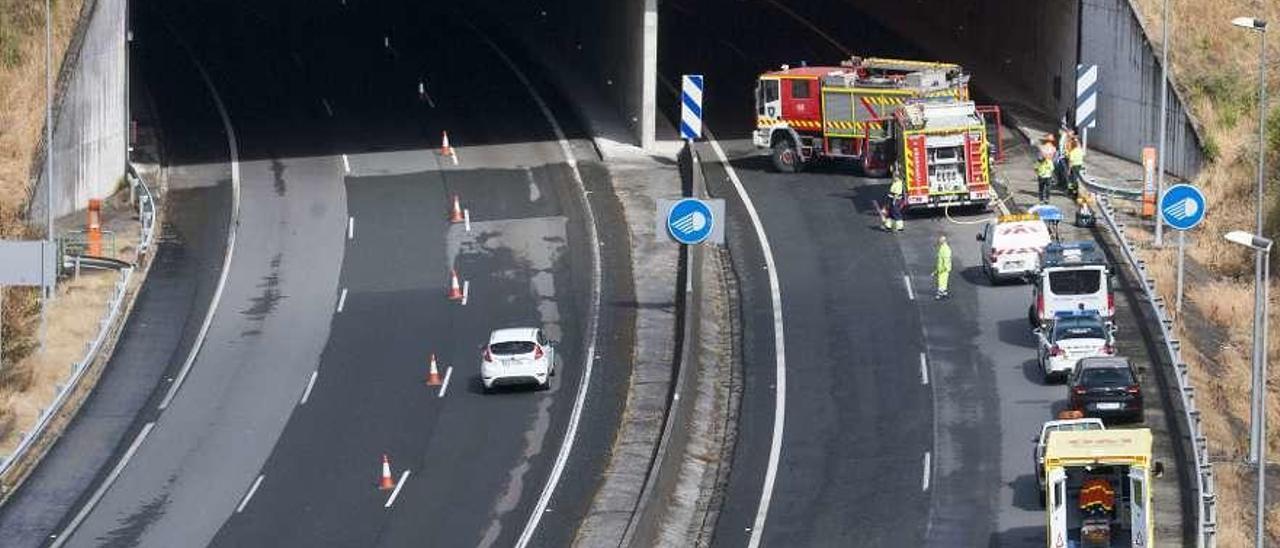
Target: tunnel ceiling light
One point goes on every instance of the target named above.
(1250, 23)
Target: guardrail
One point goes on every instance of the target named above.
(1206, 509)
(146, 215)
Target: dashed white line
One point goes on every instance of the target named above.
(346, 164)
(924, 482)
(392, 500)
(327, 108)
(351, 228)
(466, 219)
(448, 372)
(466, 291)
(249, 495)
(306, 394)
(342, 299)
(102, 489)
(924, 369)
(910, 293)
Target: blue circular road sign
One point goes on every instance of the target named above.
(690, 221)
(1182, 207)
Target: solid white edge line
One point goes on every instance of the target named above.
(575, 416)
(444, 387)
(404, 476)
(102, 489)
(924, 481)
(351, 228)
(306, 394)
(911, 294)
(924, 369)
(234, 153)
(245, 501)
(342, 299)
(466, 291)
(780, 349)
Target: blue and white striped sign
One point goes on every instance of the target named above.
(691, 106)
(1086, 96)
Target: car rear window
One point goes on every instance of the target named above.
(1075, 282)
(1079, 329)
(511, 347)
(1108, 376)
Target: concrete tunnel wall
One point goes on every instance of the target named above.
(90, 115)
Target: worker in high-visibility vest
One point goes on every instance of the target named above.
(1075, 159)
(894, 220)
(943, 268)
(1044, 177)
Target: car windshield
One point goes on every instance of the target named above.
(1075, 282)
(511, 347)
(1106, 376)
(1079, 328)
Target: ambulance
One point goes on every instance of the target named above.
(1011, 246)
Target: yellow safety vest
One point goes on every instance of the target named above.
(1044, 169)
(895, 188)
(1076, 157)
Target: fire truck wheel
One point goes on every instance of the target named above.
(785, 158)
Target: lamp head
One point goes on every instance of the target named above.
(1250, 23)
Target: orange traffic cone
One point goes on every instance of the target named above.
(455, 216)
(433, 373)
(386, 483)
(445, 149)
(455, 290)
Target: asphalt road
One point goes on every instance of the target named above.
(314, 364)
(877, 376)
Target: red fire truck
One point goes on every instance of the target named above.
(859, 111)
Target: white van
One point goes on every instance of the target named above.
(1011, 246)
(1073, 276)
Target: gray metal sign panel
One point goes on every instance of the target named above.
(28, 263)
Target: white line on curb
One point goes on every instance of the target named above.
(466, 291)
(911, 295)
(233, 149)
(579, 402)
(404, 476)
(924, 481)
(342, 299)
(249, 495)
(924, 369)
(102, 489)
(466, 218)
(448, 373)
(351, 228)
(306, 394)
(779, 346)
(346, 164)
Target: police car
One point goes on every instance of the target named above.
(1071, 337)
(1073, 276)
(1011, 246)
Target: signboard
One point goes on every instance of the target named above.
(1086, 96)
(1148, 182)
(691, 107)
(691, 221)
(28, 263)
(1182, 207)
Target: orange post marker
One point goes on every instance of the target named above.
(1149, 182)
(94, 227)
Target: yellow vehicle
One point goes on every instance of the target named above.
(1099, 488)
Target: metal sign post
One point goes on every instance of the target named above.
(1182, 207)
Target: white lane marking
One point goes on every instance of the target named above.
(911, 295)
(351, 228)
(779, 345)
(234, 152)
(342, 299)
(448, 373)
(466, 291)
(327, 108)
(346, 164)
(466, 219)
(924, 369)
(306, 394)
(579, 402)
(245, 502)
(102, 489)
(924, 481)
(395, 493)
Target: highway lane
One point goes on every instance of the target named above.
(376, 240)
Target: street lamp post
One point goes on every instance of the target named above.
(1260, 27)
(1258, 407)
(1164, 113)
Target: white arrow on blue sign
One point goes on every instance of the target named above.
(1182, 207)
(691, 106)
(690, 221)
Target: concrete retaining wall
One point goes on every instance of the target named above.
(90, 116)
(1112, 37)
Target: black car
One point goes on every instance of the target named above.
(1106, 387)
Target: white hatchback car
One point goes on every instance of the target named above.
(1070, 338)
(519, 355)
